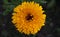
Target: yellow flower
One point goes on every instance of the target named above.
(28, 17)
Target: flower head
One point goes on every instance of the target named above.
(28, 17)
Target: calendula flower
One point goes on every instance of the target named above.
(28, 17)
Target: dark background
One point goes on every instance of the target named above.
(51, 28)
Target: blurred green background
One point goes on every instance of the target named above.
(51, 28)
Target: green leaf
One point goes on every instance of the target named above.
(8, 8)
(5, 1)
(16, 2)
(42, 2)
(51, 4)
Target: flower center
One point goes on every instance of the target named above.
(29, 17)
